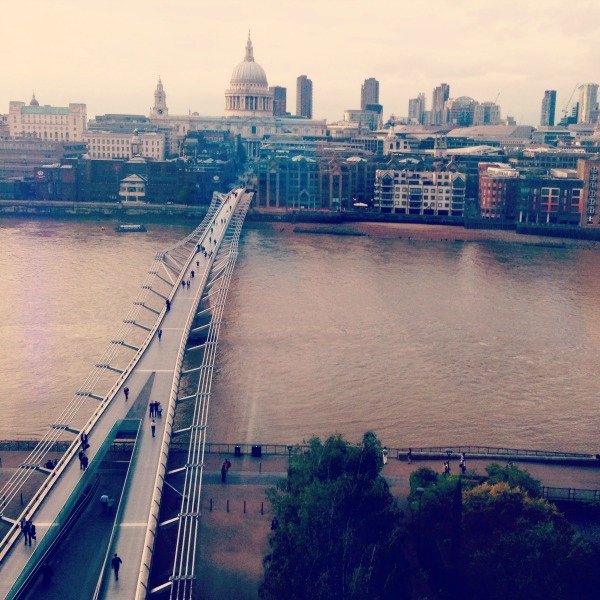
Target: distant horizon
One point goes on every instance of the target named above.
(97, 57)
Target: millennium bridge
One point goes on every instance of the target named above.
(163, 353)
(152, 467)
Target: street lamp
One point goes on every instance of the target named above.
(420, 491)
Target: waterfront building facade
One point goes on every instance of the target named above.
(305, 182)
(432, 193)
(587, 171)
(554, 199)
(55, 123)
(499, 187)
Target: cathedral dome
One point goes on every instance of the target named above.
(249, 72)
(34, 101)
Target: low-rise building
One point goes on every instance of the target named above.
(107, 145)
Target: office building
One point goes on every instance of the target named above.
(369, 93)
(548, 108)
(438, 105)
(279, 100)
(416, 110)
(304, 97)
(499, 188)
(588, 102)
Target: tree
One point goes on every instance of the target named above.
(500, 539)
(339, 530)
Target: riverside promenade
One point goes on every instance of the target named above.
(236, 516)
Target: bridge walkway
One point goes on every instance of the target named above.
(156, 368)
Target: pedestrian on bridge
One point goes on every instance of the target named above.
(168, 304)
(81, 455)
(153, 427)
(104, 503)
(159, 334)
(84, 462)
(116, 565)
(84, 441)
(198, 263)
(126, 392)
(224, 472)
(192, 274)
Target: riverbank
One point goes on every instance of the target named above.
(351, 223)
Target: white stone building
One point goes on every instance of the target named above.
(105, 144)
(55, 123)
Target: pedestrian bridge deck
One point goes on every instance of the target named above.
(151, 380)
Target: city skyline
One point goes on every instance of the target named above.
(478, 51)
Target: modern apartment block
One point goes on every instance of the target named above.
(554, 199)
(304, 97)
(420, 192)
(548, 108)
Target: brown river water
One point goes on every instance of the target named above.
(493, 340)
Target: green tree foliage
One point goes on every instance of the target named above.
(520, 547)
(338, 534)
(514, 477)
(500, 540)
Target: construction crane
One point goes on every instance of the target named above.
(566, 108)
(497, 96)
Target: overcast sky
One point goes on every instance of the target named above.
(109, 54)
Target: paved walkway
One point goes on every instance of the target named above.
(232, 544)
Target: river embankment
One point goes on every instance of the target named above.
(351, 223)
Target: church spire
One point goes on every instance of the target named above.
(249, 50)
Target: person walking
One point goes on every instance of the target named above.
(104, 503)
(25, 529)
(32, 533)
(463, 463)
(168, 304)
(84, 462)
(159, 334)
(81, 455)
(116, 565)
(409, 456)
(109, 505)
(224, 472)
(126, 392)
(84, 441)
(153, 427)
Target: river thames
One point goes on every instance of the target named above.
(425, 342)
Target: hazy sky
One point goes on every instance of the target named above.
(109, 53)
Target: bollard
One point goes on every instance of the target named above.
(260, 467)
(262, 508)
(211, 505)
(244, 507)
(227, 504)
